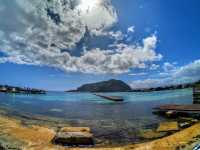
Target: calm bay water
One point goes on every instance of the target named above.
(118, 122)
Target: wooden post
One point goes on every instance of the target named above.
(196, 94)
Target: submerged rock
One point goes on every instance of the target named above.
(168, 126)
(151, 134)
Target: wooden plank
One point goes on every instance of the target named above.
(192, 107)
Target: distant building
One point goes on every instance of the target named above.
(13, 90)
(3, 89)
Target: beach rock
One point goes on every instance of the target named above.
(9, 143)
(15, 135)
(75, 129)
(187, 119)
(69, 136)
(73, 138)
(185, 124)
(168, 126)
(170, 114)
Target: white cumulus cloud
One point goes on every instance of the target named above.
(43, 28)
(96, 61)
(171, 76)
(131, 29)
(168, 67)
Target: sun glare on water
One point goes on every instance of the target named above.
(87, 5)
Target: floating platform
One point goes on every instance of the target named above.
(112, 98)
(192, 108)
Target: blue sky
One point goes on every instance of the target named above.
(145, 43)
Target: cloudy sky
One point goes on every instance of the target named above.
(61, 44)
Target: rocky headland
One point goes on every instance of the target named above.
(120, 86)
(105, 86)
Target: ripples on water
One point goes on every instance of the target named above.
(118, 122)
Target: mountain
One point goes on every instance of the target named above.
(119, 86)
(105, 86)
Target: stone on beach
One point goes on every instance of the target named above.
(170, 113)
(74, 136)
(168, 126)
(186, 119)
(185, 124)
(75, 129)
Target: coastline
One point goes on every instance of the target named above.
(36, 132)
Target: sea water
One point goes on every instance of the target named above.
(118, 122)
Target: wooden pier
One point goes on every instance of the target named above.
(112, 98)
(196, 94)
(189, 109)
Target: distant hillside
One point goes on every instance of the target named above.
(172, 87)
(120, 86)
(197, 84)
(105, 86)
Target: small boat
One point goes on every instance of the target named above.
(112, 98)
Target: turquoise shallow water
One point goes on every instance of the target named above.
(88, 97)
(117, 122)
